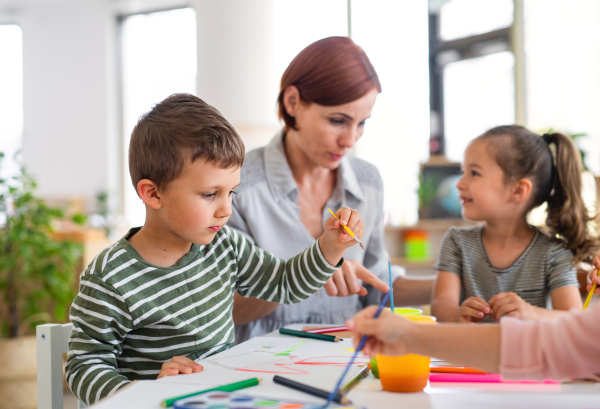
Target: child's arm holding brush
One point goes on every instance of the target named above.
(568, 347)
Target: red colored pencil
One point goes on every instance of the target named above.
(321, 330)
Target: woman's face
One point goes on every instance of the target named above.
(325, 134)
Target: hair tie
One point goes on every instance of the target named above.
(552, 149)
(546, 138)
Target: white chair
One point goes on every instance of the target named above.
(52, 341)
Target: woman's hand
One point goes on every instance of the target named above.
(387, 334)
(473, 309)
(511, 305)
(346, 280)
(179, 365)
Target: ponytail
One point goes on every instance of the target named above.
(568, 217)
(553, 164)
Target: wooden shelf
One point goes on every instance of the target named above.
(432, 224)
(404, 262)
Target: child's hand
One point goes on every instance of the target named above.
(387, 334)
(511, 305)
(179, 365)
(335, 233)
(594, 276)
(473, 309)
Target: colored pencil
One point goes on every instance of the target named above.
(319, 393)
(360, 375)
(321, 330)
(303, 334)
(391, 287)
(223, 388)
(350, 232)
(591, 293)
(361, 345)
(456, 369)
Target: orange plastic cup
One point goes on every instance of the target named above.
(406, 373)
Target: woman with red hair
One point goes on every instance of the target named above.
(327, 93)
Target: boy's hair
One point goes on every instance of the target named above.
(180, 129)
(556, 179)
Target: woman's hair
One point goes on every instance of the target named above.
(332, 71)
(556, 179)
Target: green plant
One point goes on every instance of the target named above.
(36, 272)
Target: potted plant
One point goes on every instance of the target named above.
(36, 280)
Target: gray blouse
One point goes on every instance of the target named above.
(265, 210)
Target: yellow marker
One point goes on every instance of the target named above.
(350, 232)
(589, 297)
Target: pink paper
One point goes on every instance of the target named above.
(490, 378)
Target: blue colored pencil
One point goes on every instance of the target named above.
(361, 345)
(391, 287)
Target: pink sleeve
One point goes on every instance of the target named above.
(566, 348)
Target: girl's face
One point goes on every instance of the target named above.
(484, 195)
(325, 134)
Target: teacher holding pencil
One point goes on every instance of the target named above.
(327, 93)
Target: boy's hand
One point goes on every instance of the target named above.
(474, 309)
(594, 276)
(337, 235)
(334, 241)
(179, 365)
(347, 280)
(511, 305)
(387, 334)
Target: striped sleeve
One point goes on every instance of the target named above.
(450, 255)
(100, 320)
(561, 271)
(262, 275)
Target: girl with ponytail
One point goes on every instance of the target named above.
(506, 267)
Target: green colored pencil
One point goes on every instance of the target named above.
(364, 371)
(224, 388)
(321, 337)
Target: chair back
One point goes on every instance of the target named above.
(52, 341)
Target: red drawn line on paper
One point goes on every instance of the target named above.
(316, 361)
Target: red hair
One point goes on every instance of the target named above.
(332, 71)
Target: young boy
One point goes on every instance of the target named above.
(166, 289)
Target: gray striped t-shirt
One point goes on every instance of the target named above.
(544, 266)
(131, 316)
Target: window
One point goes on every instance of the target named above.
(394, 35)
(11, 97)
(471, 72)
(297, 25)
(158, 59)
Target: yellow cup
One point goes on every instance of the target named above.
(406, 373)
(406, 311)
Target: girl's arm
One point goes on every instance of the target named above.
(445, 300)
(472, 345)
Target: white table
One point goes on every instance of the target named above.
(148, 394)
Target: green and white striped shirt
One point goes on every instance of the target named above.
(131, 316)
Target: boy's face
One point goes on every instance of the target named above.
(197, 204)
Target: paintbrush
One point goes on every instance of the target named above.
(350, 232)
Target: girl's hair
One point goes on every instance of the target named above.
(332, 71)
(556, 179)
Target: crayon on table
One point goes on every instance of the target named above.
(223, 388)
(321, 337)
(319, 393)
